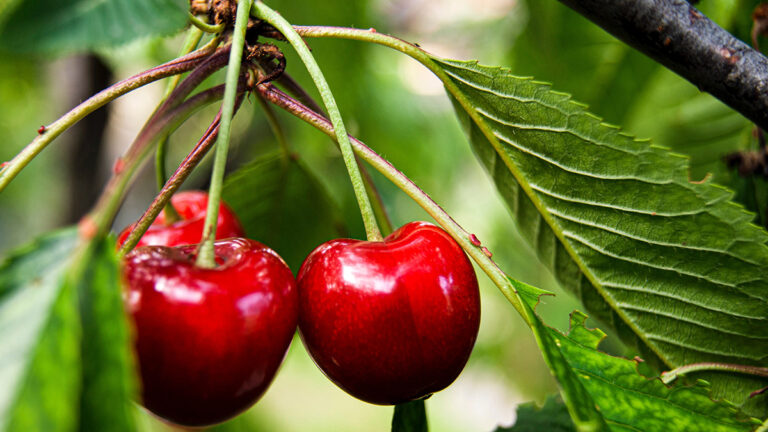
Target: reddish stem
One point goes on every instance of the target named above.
(178, 177)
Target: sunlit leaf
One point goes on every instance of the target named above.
(612, 391)
(39, 338)
(672, 265)
(108, 369)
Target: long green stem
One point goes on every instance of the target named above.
(379, 210)
(177, 178)
(174, 67)
(194, 35)
(669, 376)
(464, 238)
(206, 255)
(193, 38)
(263, 12)
(100, 218)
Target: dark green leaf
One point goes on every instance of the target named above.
(56, 27)
(582, 407)
(611, 387)
(108, 370)
(282, 205)
(551, 417)
(410, 417)
(672, 265)
(39, 338)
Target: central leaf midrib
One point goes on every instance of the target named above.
(525, 186)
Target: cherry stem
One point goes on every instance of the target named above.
(669, 376)
(465, 239)
(165, 119)
(206, 253)
(379, 210)
(262, 11)
(410, 417)
(371, 35)
(186, 167)
(194, 35)
(294, 88)
(160, 125)
(204, 26)
(41, 141)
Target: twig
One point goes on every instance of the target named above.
(680, 37)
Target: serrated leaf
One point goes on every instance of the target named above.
(281, 204)
(673, 266)
(410, 417)
(677, 115)
(39, 338)
(612, 391)
(551, 417)
(108, 368)
(57, 27)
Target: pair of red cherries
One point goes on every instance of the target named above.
(388, 322)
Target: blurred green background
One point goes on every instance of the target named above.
(401, 111)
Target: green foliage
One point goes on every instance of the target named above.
(281, 204)
(64, 339)
(552, 417)
(410, 417)
(57, 27)
(604, 392)
(672, 265)
(39, 341)
(108, 369)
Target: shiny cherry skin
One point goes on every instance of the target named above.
(391, 321)
(191, 206)
(208, 341)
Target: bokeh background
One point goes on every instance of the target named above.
(399, 109)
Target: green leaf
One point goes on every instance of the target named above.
(551, 417)
(410, 417)
(57, 27)
(615, 395)
(673, 266)
(39, 338)
(582, 407)
(108, 369)
(679, 116)
(282, 205)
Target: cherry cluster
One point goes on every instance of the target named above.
(388, 322)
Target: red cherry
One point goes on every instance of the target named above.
(390, 321)
(209, 341)
(191, 206)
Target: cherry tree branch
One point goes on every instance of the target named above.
(677, 35)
